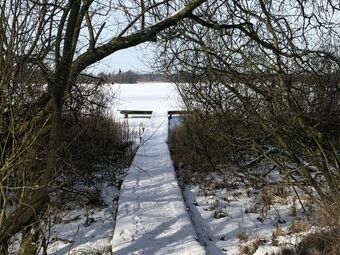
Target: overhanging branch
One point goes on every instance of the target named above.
(144, 35)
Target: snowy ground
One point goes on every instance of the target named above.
(90, 230)
(152, 217)
(239, 220)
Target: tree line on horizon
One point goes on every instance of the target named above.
(131, 76)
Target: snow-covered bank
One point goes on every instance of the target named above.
(84, 231)
(238, 220)
(152, 217)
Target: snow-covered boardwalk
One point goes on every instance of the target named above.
(152, 217)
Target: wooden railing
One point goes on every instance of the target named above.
(126, 113)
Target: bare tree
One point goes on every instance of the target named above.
(44, 46)
(273, 68)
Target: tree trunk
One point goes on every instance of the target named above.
(3, 248)
(33, 203)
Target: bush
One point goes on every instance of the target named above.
(199, 145)
(96, 150)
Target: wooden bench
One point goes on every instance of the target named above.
(142, 112)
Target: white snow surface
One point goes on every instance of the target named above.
(145, 96)
(83, 231)
(152, 217)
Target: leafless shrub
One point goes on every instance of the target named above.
(242, 234)
(276, 233)
(199, 148)
(96, 152)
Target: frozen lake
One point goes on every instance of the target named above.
(146, 96)
(143, 96)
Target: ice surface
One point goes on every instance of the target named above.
(146, 96)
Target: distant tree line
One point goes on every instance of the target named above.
(131, 77)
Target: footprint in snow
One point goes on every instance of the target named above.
(126, 235)
(137, 253)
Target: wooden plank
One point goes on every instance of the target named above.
(176, 112)
(135, 112)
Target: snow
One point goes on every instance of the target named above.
(176, 12)
(240, 209)
(152, 217)
(81, 231)
(142, 96)
(146, 96)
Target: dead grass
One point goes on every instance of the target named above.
(250, 247)
(322, 243)
(287, 251)
(242, 235)
(282, 189)
(293, 208)
(298, 225)
(266, 200)
(329, 215)
(276, 233)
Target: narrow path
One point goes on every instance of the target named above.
(152, 217)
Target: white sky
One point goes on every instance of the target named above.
(138, 58)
